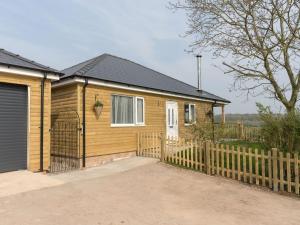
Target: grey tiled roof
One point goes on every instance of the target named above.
(11, 59)
(114, 69)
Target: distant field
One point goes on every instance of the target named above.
(248, 119)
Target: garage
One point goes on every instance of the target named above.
(13, 127)
(25, 113)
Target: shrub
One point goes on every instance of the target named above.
(280, 131)
(205, 131)
(201, 131)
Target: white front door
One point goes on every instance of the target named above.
(172, 119)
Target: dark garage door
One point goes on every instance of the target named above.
(13, 127)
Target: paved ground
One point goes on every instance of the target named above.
(154, 194)
(24, 181)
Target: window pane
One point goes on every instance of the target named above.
(193, 114)
(169, 117)
(186, 113)
(140, 110)
(172, 117)
(122, 110)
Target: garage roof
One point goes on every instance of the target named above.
(111, 68)
(11, 59)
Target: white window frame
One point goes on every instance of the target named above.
(190, 115)
(122, 124)
(136, 114)
(135, 123)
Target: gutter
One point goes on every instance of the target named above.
(32, 69)
(23, 71)
(42, 123)
(74, 79)
(86, 82)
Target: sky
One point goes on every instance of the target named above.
(63, 33)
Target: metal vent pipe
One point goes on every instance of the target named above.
(199, 72)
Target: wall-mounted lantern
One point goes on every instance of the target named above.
(210, 114)
(98, 106)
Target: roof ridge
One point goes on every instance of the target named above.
(25, 59)
(151, 69)
(79, 64)
(89, 66)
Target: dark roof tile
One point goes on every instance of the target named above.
(115, 69)
(11, 59)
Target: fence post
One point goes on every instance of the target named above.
(281, 175)
(243, 131)
(240, 130)
(296, 168)
(162, 147)
(275, 171)
(201, 154)
(288, 165)
(207, 149)
(270, 169)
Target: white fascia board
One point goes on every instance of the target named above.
(222, 103)
(27, 72)
(127, 87)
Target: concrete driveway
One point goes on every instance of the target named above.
(149, 194)
(23, 181)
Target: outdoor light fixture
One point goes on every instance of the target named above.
(210, 113)
(98, 106)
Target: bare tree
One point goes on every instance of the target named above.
(261, 39)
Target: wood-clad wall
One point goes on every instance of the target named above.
(34, 120)
(101, 137)
(64, 99)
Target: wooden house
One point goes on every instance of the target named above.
(115, 98)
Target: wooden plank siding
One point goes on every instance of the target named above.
(34, 129)
(101, 137)
(64, 99)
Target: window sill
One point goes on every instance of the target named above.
(140, 125)
(189, 124)
(127, 125)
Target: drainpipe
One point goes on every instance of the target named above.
(42, 123)
(83, 123)
(212, 110)
(213, 119)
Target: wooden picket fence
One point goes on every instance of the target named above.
(237, 131)
(149, 144)
(272, 168)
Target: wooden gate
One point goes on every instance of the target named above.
(150, 144)
(65, 142)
